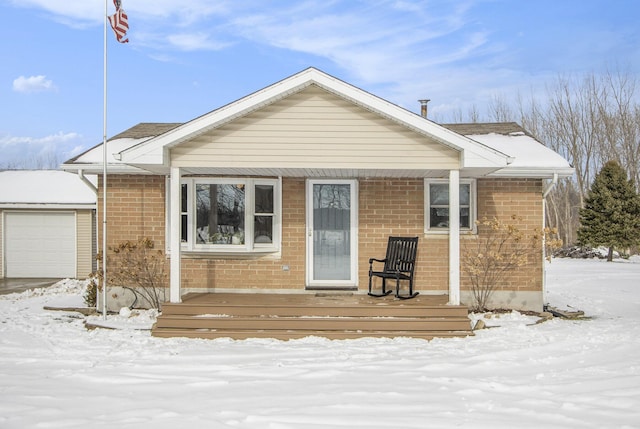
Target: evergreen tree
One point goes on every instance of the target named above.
(611, 215)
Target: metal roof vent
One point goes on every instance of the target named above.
(423, 107)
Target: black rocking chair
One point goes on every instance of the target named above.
(398, 265)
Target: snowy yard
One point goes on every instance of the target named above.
(561, 373)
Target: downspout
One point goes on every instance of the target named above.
(551, 185)
(87, 182)
(545, 194)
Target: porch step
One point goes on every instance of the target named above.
(243, 316)
(338, 310)
(290, 334)
(311, 323)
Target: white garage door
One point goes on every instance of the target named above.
(40, 244)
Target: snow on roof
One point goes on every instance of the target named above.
(124, 140)
(94, 155)
(44, 187)
(526, 151)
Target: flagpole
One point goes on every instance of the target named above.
(104, 170)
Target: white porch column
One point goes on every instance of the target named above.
(454, 237)
(174, 234)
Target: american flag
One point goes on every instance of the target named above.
(120, 22)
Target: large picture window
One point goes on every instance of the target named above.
(236, 215)
(220, 213)
(437, 205)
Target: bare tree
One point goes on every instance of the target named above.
(44, 161)
(620, 122)
(474, 114)
(500, 110)
(589, 120)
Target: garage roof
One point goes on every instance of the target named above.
(44, 188)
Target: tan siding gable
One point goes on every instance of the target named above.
(314, 129)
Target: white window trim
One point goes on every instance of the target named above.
(473, 206)
(249, 247)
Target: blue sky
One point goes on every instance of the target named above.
(189, 57)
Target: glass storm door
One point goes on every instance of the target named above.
(332, 233)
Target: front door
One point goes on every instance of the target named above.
(332, 240)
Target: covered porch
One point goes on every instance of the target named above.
(273, 152)
(332, 315)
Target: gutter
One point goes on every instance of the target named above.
(87, 182)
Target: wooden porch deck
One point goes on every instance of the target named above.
(330, 315)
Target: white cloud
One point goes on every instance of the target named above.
(195, 42)
(402, 50)
(372, 41)
(50, 140)
(364, 38)
(77, 14)
(91, 12)
(28, 152)
(33, 84)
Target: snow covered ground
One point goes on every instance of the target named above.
(561, 373)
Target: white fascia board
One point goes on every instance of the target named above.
(155, 151)
(98, 170)
(538, 173)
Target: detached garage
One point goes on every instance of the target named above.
(47, 224)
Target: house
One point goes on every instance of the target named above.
(294, 187)
(47, 224)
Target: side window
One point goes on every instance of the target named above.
(264, 213)
(184, 204)
(437, 205)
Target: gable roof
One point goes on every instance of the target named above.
(496, 149)
(92, 159)
(154, 152)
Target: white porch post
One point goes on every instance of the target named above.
(454, 237)
(174, 234)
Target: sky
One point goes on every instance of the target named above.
(186, 58)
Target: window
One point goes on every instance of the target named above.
(230, 215)
(437, 205)
(263, 214)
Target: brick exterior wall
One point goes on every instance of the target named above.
(503, 198)
(259, 272)
(136, 208)
(396, 207)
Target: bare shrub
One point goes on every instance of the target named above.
(141, 268)
(501, 249)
